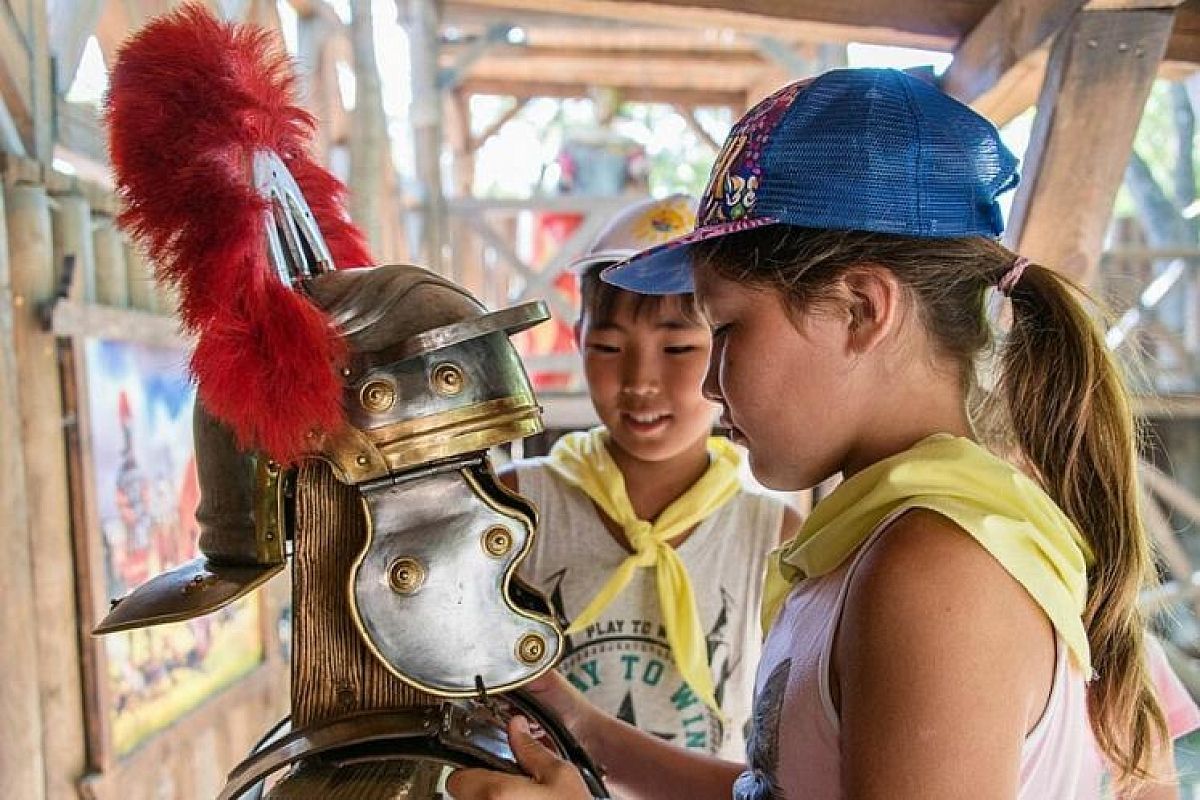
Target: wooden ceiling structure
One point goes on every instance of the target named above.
(687, 48)
(1087, 65)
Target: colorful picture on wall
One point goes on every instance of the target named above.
(143, 470)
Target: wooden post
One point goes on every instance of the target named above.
(112, 273)
(314, 31)
(426, 116)
(166, 298)
(48, 498)
(142, 294)
(73, 237)
(1101, 70)
(369, 147)
(41, 80)
(21, 761)
(464, 266)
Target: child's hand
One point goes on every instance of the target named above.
(552, 778)
(554, 692)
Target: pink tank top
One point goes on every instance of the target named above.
(794, 748)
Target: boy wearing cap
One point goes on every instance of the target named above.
(651, 545)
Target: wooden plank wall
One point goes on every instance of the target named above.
(49, 750)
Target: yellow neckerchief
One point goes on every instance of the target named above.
(582, 460)
(1002, 509)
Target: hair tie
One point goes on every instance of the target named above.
(1013, 274)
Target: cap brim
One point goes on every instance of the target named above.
(667, 268)
(605, 257)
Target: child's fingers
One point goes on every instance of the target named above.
(551, 778)
(484, 784)
(533, 757)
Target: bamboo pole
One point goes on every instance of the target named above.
(142, 294)
(369, 148)
(73, 236)
(21, 757)
(31, 254)
(426, 114)
(112, 272)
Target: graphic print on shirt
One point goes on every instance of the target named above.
(762, 745)
(624, 666)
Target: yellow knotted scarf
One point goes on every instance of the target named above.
(582, 460)
(1005, 511)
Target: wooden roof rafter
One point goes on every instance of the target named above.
(999, 66)
(1001, 46)
(697, 98)
(932, 24)
(626, 70)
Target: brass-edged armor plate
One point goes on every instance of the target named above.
(433, 593)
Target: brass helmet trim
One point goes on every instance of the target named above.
(358, 456)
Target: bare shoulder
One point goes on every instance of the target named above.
(937, 638)
(928, 593)
(933, 579)
(926, 559)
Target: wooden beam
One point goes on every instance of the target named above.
(10, 136)
(71, 23)
(1001, 79)
(669, 95)
(41, 82)
(601, 51)
(112, 273)
(426, 114)
(461, 59)
(1011, 32)
(15, 74)
(689, 116)
(34, 281)
(80, 130)
(1184, 46)
(22, 766)
(263, 13)
(569, 35)
(933, 24)
(112, 27)
(458, 137)
(1100, 73)
(475, 142)
(369, 145)
(553, 204)
(1131, 5)
(787, 57)
(321, 41)
(531, 276)
(621, 71)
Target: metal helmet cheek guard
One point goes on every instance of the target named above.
(397, 379)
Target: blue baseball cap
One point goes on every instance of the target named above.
(852, 149)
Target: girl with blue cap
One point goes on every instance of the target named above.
(945, 625)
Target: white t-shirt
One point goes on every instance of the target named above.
(622, 662)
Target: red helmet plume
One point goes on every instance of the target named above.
(191, 101)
